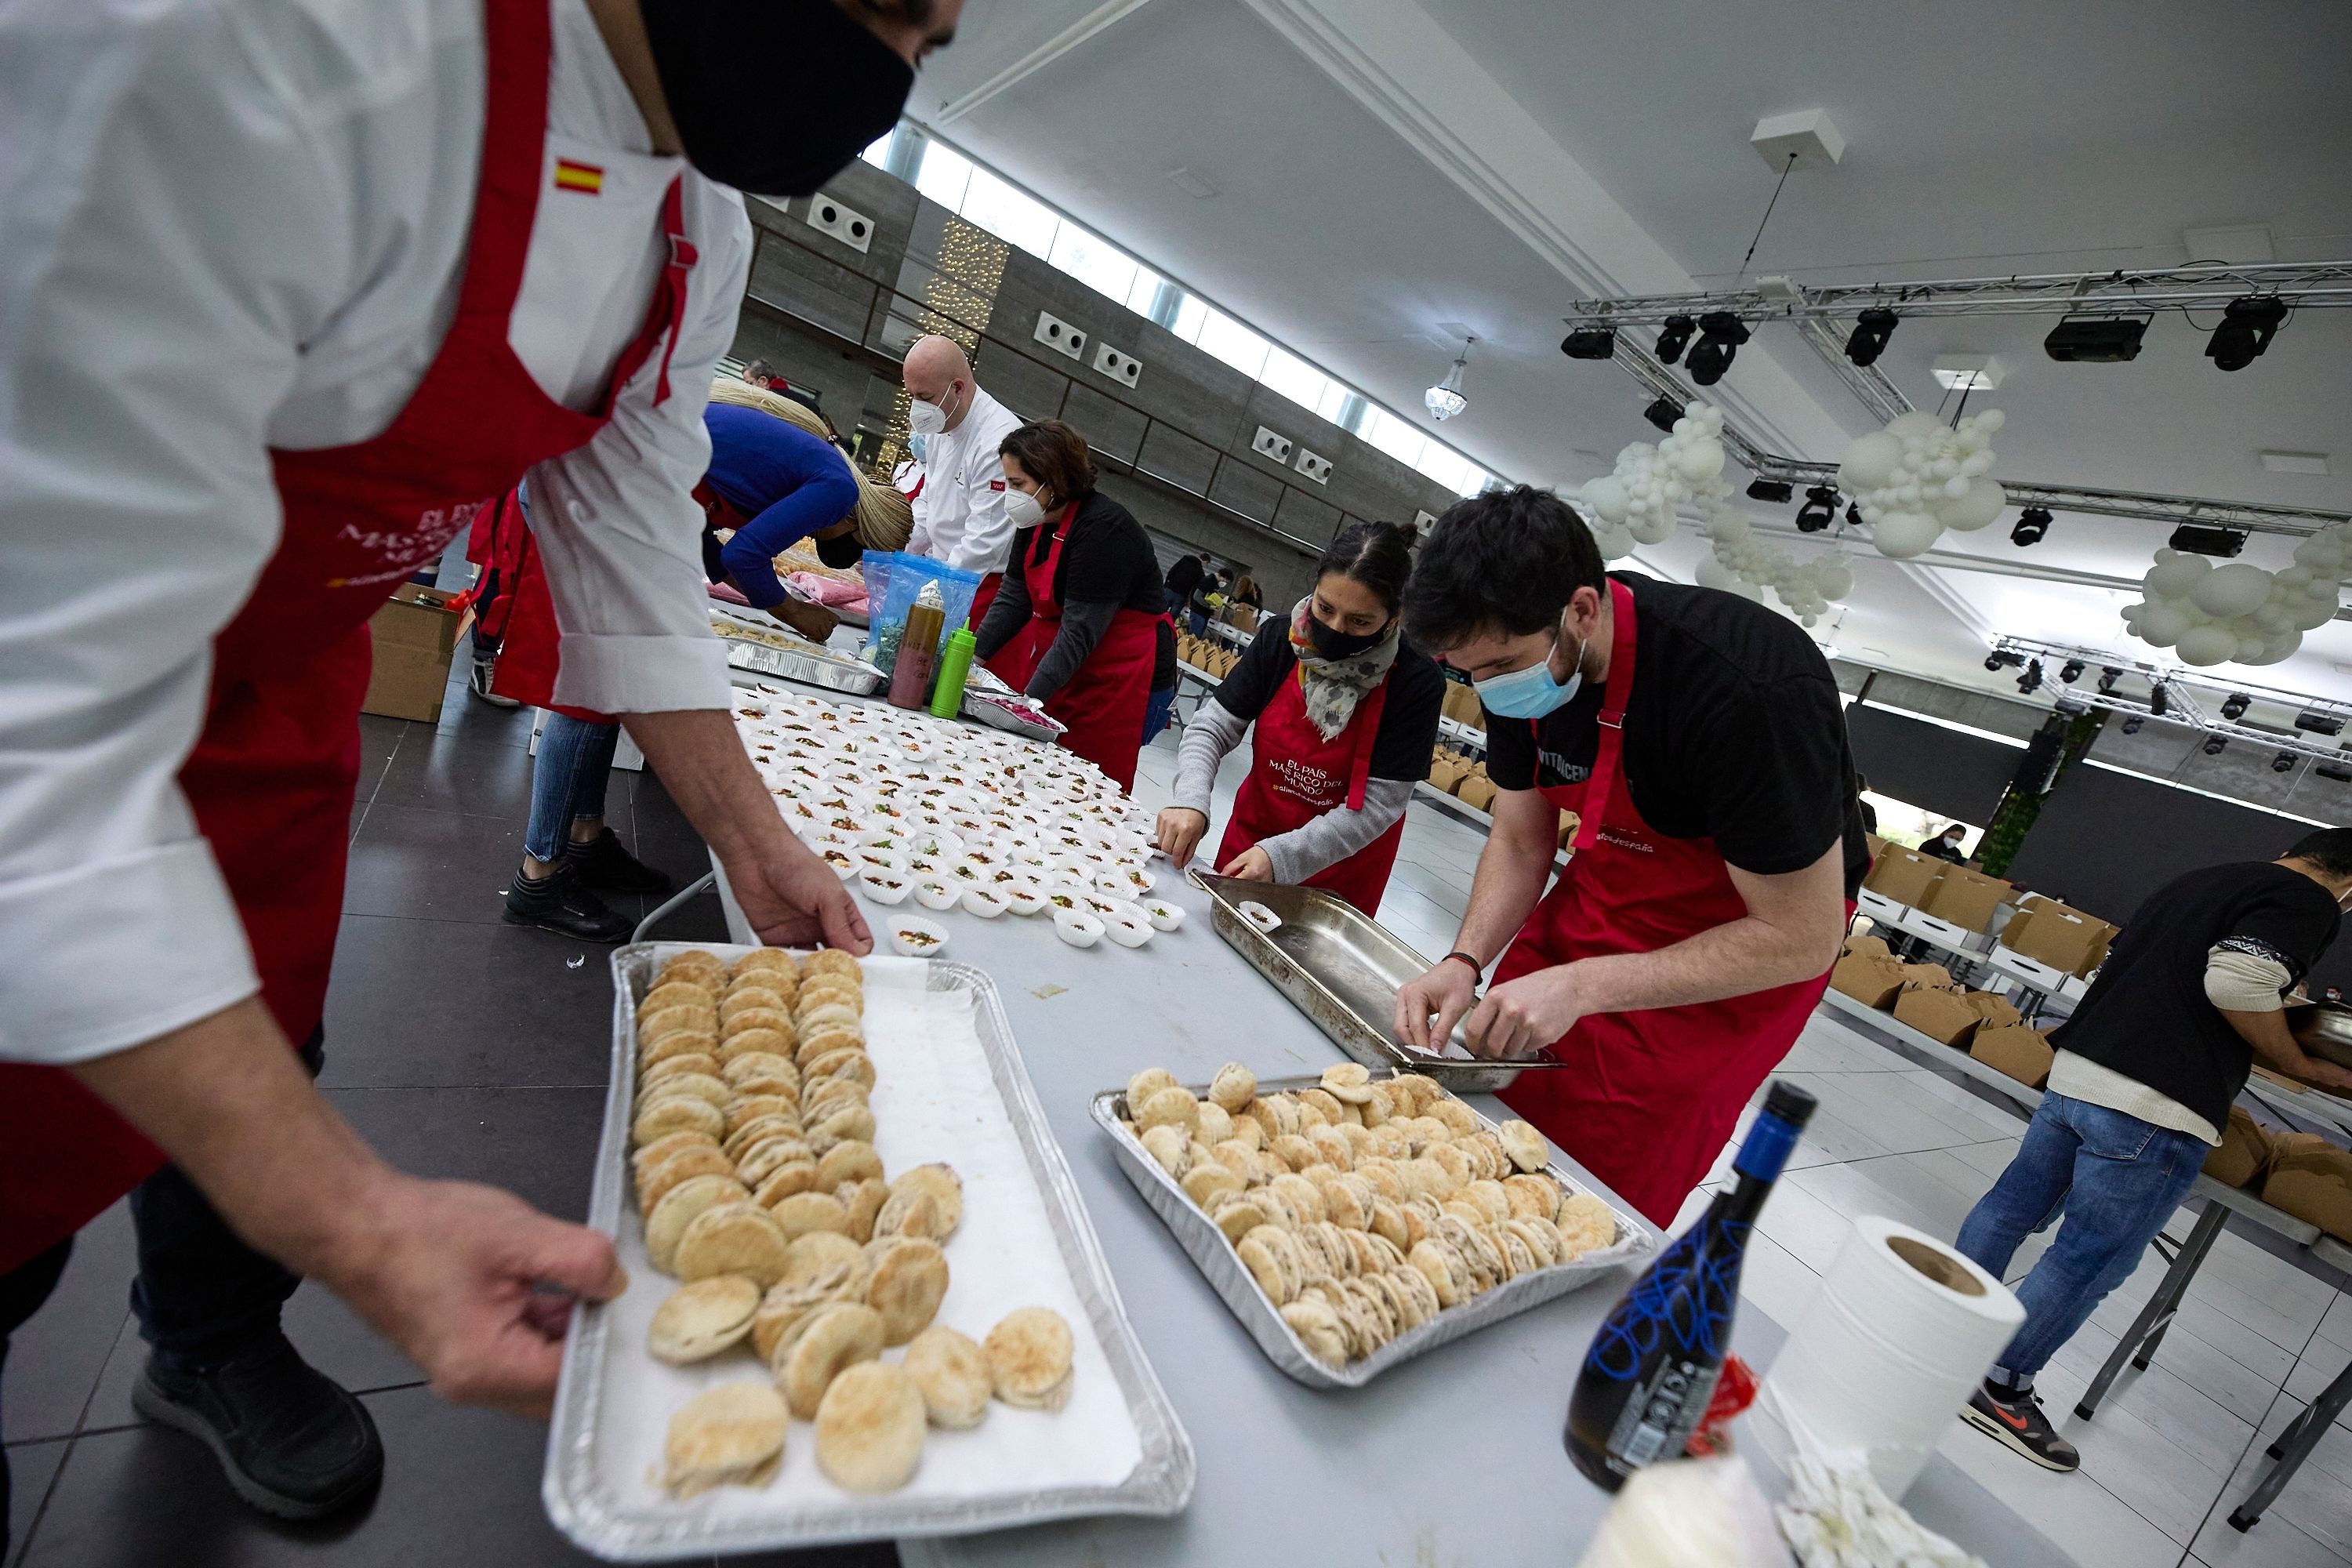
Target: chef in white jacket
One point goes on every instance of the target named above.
(291, 288)
(959, 512)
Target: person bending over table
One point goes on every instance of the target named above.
(1075, 624)
(1699, 739)
(1345, 713)
(2140, 1094)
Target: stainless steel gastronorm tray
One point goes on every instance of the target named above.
(1636, 1243)
(1343, 971)
(609, 1526)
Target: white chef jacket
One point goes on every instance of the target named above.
(959, 517)
(230, 228)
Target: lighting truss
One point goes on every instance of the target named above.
(2193, 699)
(2172, 511)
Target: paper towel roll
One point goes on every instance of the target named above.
(1887, 1350)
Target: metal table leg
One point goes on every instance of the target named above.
(2295, 1445)
(2146, 1331)
(671, 905)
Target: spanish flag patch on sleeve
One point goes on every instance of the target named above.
(573, 175)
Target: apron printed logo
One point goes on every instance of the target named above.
(1618, 838)
(1305, 780)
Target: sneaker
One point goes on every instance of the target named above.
(486, 665)
(292, 1442)
(557, 902)
(2017, 1420)
(603, 863)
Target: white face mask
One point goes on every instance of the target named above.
(929, 419)
(1024, 510)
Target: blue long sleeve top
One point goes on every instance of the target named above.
(788, 482)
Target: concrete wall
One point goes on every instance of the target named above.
(812, 311)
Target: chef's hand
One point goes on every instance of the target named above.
(1252, 865)
(1178, 833)
(793, 900)
(1516, 1019)
(2326, 1075)
(1447, 991)
(475, 1285)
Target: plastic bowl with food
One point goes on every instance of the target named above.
(916, 937)
(1077, 928)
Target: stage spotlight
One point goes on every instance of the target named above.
(2202, 538)
(1852, 514)
(1820, 509)
(2132, 724)
(2247, 326)
(2337, 771)
(2070, 671)
(2096, 339)
(2214, 743)
(2108, 675)
(1720, 333)
(2320, 723)
(2234, 706)
(1590, 343)
(1672, 336)
(2032, 525)
(2157, 699)
(1868, 339)
(1662, 412)
(1771, 490)
(2283, 763)
(2003, 658)
(2031, 682)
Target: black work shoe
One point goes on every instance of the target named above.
(485, 666)
(2017, 1420)
(291, 1441)
(557, 902)
(602, 863)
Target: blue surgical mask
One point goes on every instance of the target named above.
(1530, 693)
(919, 444)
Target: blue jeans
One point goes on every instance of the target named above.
(2115, 1178)
(567, 783)
(1199, 620)
(1155, 713)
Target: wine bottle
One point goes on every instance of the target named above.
(1651, 1369)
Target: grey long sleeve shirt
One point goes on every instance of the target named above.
(1299, 854)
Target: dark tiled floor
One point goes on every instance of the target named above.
(460, 1046)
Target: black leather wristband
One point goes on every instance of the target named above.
(1477, 970)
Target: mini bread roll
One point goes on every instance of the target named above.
(701, 1085)
(1237, 1214)
(1029, 1353)
(1147, 1083)
(1216, 1122)
(844, 1124)
(693, 1011)
(1349, 1081)
(788, 1306)
(1170, 1107)
(825, 1015)
(768, 961)
(1435, 1263)
(862, 1203)
(742, 999)
(680, 1205)
(1525, 1145)
(1457, 1117)
(1324, 1103)
(910, 1213)
(1490, 1199)
(830, 1094)
(831, 993)
(678, 1042)
(681, 1114)
(745, 1109)
(805, 1212)
(741, 1140)
(698, 1320)
(763, 1040)
(657, 1181)
(695, 966)
(671, 1067)
(849, 1062)
(952, 1370)
(1206, 1180)
(772, 1019)
(791, 1178)
(870, 1427)
(1318, 1331)
(828, 1342)
(851, 1160)
(675, 994)
(732, 1238)
(647, 1157)
(1415, 1092)
(908, 1284)
(730, 1435)
(1272, 1260)
(1532, 1197)
(819, 1253)
(1233, 1087)
(945, 1189)
(768, 1156)
(749, 1064)
(1170, 1149)
(831, 961)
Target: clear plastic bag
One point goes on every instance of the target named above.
(892, 582)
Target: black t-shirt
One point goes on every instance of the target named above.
(1184, 574)
(1107, 557)
(1407, 728)
(1163, 659)
(1734, 731)
(2147, 1016)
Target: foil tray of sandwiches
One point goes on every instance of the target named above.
(1353, 1223)
(772, 650)
(1343, 971)
(863, 1300)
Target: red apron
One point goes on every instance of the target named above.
(1295, 775)
(270, 779)
(1103, 704)
(1662, 1089)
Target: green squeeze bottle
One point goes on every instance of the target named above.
(955, 666)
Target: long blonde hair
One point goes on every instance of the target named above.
(883, 518)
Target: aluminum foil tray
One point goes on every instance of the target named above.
(1013, 714)
(1636, 1243)
(806, 664)
(1343, 971)
(588, 1511)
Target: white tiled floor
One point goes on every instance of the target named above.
(2172, 1450)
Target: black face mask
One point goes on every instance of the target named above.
(774, 96)
(1329, 642)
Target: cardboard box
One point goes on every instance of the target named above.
(1903, 874)
(1448, 773)
(1478, 790)
(2243, 1156)
(1867, 945)
(2065, 939)
(1995, 1011)
(1460, 704)
(2313, 1184)
(415, 638)
(1929, 974)
(2022, 1052)
(1968, 899)
(1938, 1013)
(1877, 844)
(1569, 823)
(1872, 981)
